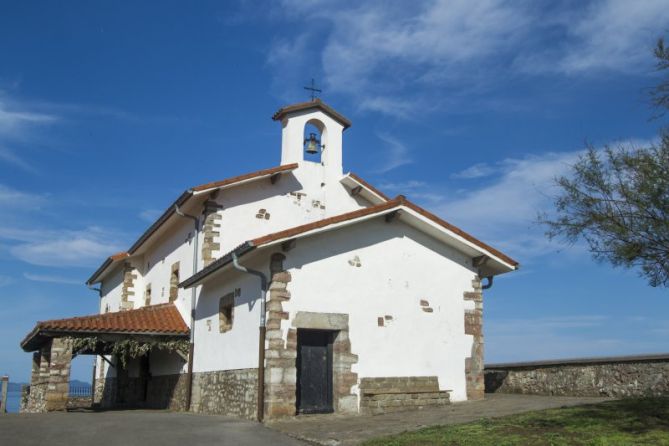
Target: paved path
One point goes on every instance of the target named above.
(135, 428)
(349, 430)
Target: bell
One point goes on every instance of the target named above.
(312, 147)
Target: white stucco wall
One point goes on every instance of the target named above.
(111, 289)
(156, 266)
(399, 267)
(317, 200)
(238, 347)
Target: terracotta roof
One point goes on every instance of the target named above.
(316, 103)
(119, 255)
(398, 201)
(180, 201)
(163, 319)
(369, 186)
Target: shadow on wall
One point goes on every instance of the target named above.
(494, 380)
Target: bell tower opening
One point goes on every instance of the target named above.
(314, 141)
(312, 134)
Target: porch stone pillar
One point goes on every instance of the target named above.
(44, 360)
(58, 388)
(34, 375)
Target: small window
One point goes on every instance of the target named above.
(147, 295)
(226, 309)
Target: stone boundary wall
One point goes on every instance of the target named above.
(226, 392)
(79, 402)
(627, 376)
(395, 394)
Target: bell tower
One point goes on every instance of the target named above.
(312, 135)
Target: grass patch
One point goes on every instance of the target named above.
(638, 421)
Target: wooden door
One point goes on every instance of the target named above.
(314, 371)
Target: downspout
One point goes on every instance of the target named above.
(191, 346)
(261, 338)
(489, 284)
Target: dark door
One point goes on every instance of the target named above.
(144, 377)
(314, 371)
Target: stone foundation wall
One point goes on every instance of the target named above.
(33, 398)
(25, 393)
(395, 394)
(226, 392)
(614, 377)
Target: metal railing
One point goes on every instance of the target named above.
(81, 391)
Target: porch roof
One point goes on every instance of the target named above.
(154, 320)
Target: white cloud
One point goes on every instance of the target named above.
(476, 171)
(396, 154)
(13, 122)
(398, 58)
(17, 122)
(51, 279)
(13, 198)
(374, 50)
(516, 197)
(614, 34)
(64, 248)
(150, 215)
(435, 36)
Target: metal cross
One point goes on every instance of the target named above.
(313, 89)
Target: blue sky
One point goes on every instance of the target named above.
(108, 110)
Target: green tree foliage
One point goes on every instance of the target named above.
(617, 200)
(660, 94)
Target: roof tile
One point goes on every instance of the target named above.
(162, 319)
